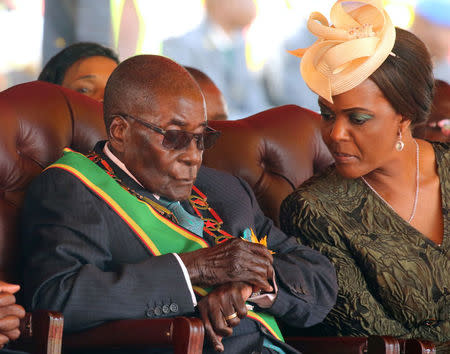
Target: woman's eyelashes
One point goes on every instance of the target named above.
(359, 117)
(356, 118)
(355, 115)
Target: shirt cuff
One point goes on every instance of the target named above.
(265, 300)
(188, 279)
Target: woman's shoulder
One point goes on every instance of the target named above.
(442, 150)
(327, 191)
(324, 186)
(442, 155)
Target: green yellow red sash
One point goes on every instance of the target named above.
(159, 235)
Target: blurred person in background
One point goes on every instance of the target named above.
(20, 44)
(217, 47)
(437, 127)
(70, 21)
(432, 26)
(216, 107)
(281, 74)
(83, 67)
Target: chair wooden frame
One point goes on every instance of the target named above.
(184, 334)
(361, 345)
(41, 333)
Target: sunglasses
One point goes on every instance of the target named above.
(179, 139)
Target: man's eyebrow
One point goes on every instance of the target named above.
(183, 123)
(179, 122)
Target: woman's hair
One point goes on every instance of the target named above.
(406, 78)
(55, 70)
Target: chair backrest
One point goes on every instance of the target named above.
(37, 121)
(274, 151)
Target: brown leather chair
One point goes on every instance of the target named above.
(274, 151)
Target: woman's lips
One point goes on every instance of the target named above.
(341, 157)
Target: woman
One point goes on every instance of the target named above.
(381, 213)
(84, 67)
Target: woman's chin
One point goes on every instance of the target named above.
(348, 172)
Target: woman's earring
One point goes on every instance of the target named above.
(399, 145)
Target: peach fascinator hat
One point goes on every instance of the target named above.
(348, 52)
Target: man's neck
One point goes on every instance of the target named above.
(109, 151)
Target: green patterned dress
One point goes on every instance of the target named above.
(392, 279)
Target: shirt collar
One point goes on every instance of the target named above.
(122, 166)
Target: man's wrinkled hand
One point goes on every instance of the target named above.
(231, 261)
(10, 313)
(224, 301)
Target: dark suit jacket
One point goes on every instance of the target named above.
(81, 259)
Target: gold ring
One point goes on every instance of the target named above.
(233, 315)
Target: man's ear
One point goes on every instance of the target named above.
(119, 132)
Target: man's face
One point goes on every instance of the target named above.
(168, 173)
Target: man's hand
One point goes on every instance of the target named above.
(231, 261)
(223, 302)
(10, 313)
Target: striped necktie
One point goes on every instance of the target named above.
(186, 220)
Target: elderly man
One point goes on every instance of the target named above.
(107, 238)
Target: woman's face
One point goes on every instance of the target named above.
(89, 76)
(360, 128)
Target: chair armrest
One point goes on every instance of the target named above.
(184, 334)
(345, 345)
(40, 333)
(325, 345)
(416, 346)
(383, 345)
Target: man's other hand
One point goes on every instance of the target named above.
(10, 313)
(231, 261)
(222, 309)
